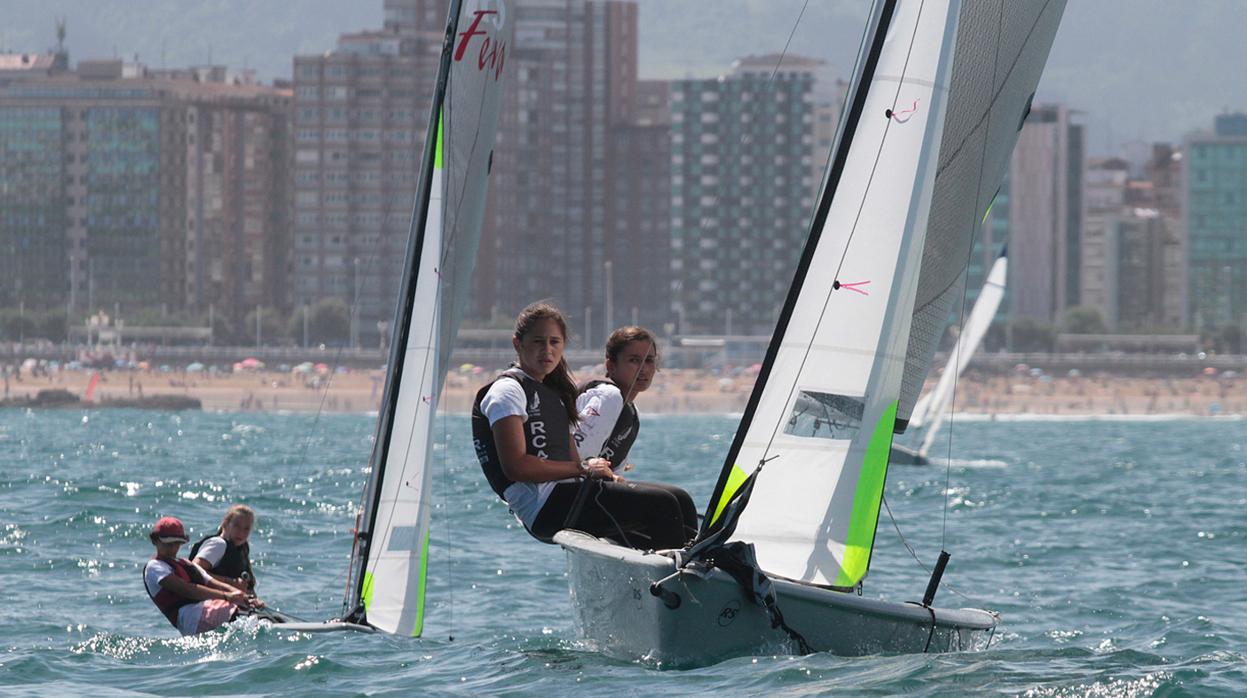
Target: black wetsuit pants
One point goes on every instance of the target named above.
(640, 515)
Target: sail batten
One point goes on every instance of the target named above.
(391, 565)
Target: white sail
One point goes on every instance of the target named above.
(394, 563)
(813, 509)
(972, 332)
(934, 406)
(1001, 50)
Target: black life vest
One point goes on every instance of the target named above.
(167, 601)
(235, 561)
(546, 430)
(616, 446)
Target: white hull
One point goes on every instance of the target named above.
(714, 619)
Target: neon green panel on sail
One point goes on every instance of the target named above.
(424, 574)
(865, 517)
(735, 479)
(441, 140)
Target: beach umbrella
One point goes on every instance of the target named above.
(321, 368)
(1210, 371)
(305, 367)
(465, 368)
(195, 367)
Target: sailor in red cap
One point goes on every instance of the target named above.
(193, 602)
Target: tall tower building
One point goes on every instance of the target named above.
(1215, 192)
(1045, 213)
(360, 116)
(559, 168)
(742, 184)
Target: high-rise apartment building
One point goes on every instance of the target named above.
(114, 195)
(360, 117)
(1215, 193)
(1132, 251)
(559, 186)
(1045, 214)
(742, 192)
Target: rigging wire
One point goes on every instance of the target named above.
(965, 286)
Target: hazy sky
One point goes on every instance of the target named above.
(1139, 69)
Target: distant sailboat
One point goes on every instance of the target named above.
(390, 562)
(933, 407)
(939, 92)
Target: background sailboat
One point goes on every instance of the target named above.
(389, 565)
(933, 407)
(939, 93)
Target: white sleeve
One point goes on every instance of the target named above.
(212, 551)
(155, 571)
(505, 398)
(599, 409)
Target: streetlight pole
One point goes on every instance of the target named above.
(258, 311)
(355, 309)
(610, 297)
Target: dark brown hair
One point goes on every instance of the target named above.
(560, 379)
(624, 336)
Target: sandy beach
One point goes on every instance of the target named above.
(676, 391)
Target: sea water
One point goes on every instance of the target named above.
(1114, 552)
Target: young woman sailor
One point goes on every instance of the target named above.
(609, 421)
(521, 429)
(226, 554)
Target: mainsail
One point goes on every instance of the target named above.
(843, 342)
(390, 567)
(1001, 50)
(933, 406)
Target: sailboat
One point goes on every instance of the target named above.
(933, 407)
(939, 92)
(389, 564)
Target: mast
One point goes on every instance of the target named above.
(840, 342)
(940, 90)
(730, 477)
(403, 313)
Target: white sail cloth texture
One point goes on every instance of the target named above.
(1001, 50)
(396, 569)
(813, 509)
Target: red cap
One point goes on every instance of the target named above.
(169, 530)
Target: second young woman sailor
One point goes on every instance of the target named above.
(609, 421)
(521, 430)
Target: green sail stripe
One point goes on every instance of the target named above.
(866, 499)
(424, 573)
(735, 479)
(367, 589)
(437, 153)
(988, 212)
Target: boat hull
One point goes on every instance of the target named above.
(712, 618)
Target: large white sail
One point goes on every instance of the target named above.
(1001, 50)
(392, 564)
(841, 344)
(934, 405)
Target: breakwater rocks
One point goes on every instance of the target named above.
(64, 399)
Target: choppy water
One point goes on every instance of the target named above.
(1114, 551)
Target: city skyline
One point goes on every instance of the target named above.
(354, 134)
(1142, 71)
